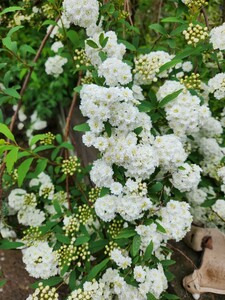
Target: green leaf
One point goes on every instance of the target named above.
(167, 262)
(62, 238)
(52, 281)
(43, 148)
(6, 245)
(126, 233)
(169, 98)
(150, 296)
(148, 252)
(14, 29)
(97, 245)
(49, 22)
(178, 30)
(41, 166)
(102, 55)
(145, 106)
(9, 44)
(78, 89)
(81, 240)
(6, 132)
(135, 245)
(157, 187)
(158, 28)
(82, 127)
(23, 169)
(96, 269)
(73, 36)
(35, 139)
(11, 9)
(169, 65)
(57, 207)
(72, 280)
(160, 227)
(11, 158)
(172, 20)
(208, 202)
(12, 93)
(27, 48)
(92, 44)
(104, 191)
(128, 45)
(108, 129)
(3, 282)
(170, 296)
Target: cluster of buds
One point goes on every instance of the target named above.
(71, 165)
(142, 189)
(80, 294)
(108, 248)
(146, 68)
(48, 139)
(66, 254)
(81, 58)
(83, 253)
(72, 227)
(48, 11)
(195, 34)
(45, 292)
(115, 227)
(195, 4)
(46, 191)
(123, 14)
(87, 79)
(15, 175)
(30, 199)
(94, 194)
(84, 213)
(192, 81)
(32, 235)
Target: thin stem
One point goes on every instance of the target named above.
(182, 253)
(205, 17)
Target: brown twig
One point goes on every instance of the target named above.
(205, 17)
(22, 91)
(182, 253)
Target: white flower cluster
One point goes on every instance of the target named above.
(175, 219)
(217, 37)
(122, 261)
(211, 128)
(35, 124)
(40, 260)
(25, 205)
(187, 177)
(196, 197)
(219, 208)
(54, 64)
(56, 46)
(63, 22)
(184, 113)
(112, 284)
(6, 231)
(221, 174)
(112, 48)
(83, 13)
(130, 207)
(217, 86)
(115, 72)
(170, 152)
(147, 66)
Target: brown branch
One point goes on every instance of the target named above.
(22, 91)
(205, 17)
(182, 253)
(72, 106)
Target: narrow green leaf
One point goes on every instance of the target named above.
(96, 269)
(6, 132)
(145, 106)
(126, 233)
(27, 48)
(97, 245)
(41, 166)
(72, 280)
(81, 240)
(6, 245)
(11, 158)
(82, 127)
(160, 227)
(150, 296)
(9, 44)
(172, 20)
(158, 28)
(178, 30)
(49, 22)
(167, 262)
(148, 252)
(170, 296)
(14, 29)
(35, 139)
(208, 202)
(128, 45)
(52, 281)
(157, 187)
(12, 93)
(11, 9)
(73, 36)
(62, 238)
(169, 98)
(23, 169)
(92, 44)
(169, 65)
(136, 245)
(3, 282)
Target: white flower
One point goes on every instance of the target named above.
(115, 72)
(54, 64)
(139, 274)
(219, 208)
(105, 207)
(121, 260)
(31, 216)
(217, 85)
(40, 260)
(16, 199)
(56, 46)
(83, 13)
(217, 37)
